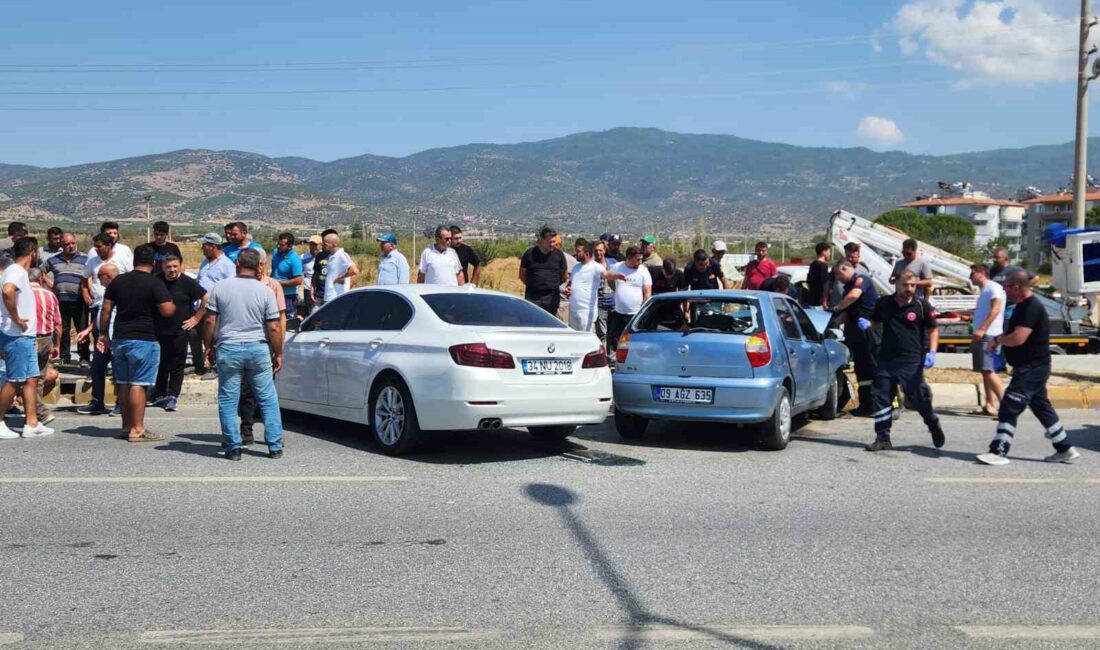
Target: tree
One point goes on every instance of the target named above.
(1092, 217)
(952, 234)
(358, 231)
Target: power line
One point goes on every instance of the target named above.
(313, 66)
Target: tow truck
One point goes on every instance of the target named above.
(1075, 256)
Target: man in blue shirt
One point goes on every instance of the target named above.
(286, 269)
(239, 239)
(393, 268)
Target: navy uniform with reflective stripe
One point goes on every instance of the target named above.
(901, 360)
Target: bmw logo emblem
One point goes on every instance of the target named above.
(551, 348)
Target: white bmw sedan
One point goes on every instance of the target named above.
(411, 358)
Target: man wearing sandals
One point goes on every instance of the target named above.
(139, 298)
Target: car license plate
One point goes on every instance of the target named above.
(683, 395)
(547, 366)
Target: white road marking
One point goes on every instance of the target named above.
(203, 479)
(1008, 480)
(1031, 632)
(316, 635)
(7, 638)
(757, 632)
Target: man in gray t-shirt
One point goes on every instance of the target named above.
(242, 325)
(915, 263)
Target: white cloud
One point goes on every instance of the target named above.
(879, 132)
(989, 42)
(846, 89)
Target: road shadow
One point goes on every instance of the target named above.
(639, 617)
(688, 436)
(1087, 437)
(97, 432)
(439, 447)
(207, 445)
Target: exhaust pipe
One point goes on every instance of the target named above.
(489, 423)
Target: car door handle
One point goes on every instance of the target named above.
(322, 343)
(376, 343)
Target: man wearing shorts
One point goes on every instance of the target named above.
(139, 298)
(18, 327)
(988, 325)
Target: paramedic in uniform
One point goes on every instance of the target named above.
(909, 342)
(859, 301)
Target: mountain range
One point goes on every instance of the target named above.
(625, 178)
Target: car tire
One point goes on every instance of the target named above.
(551, 433)
(393, 420)
(630, 427)
(777, 429)
(831, 407)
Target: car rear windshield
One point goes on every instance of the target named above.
(482, 309)
(724, 315)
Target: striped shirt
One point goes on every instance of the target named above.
(46, 309)
(66, 275)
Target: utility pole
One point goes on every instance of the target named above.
(1080, 154)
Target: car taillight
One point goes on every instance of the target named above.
(595, 359)
(480, 355)
(623, 348)
(758, 350)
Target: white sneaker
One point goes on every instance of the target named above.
(1067, 456)
(992, 459)
(36, 431)
(6, 433)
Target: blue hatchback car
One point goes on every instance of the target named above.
(727, 356)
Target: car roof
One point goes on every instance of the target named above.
(429, 289)
(716, 293)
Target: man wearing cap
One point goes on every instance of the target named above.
(731, 277)
(393, 268)
(214, 268)
(314, 243)
(650, 258)
(614, 252)
(286, 269)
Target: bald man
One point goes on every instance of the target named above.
(341, 269)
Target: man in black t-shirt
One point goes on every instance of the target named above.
(817, 279)
(320, 271)
(703, 273)
(467, 257)
(858, 302)
(173, 334)
(542, 271)
(139, 298)
(909, 342)
(1026, 344)
(161, 246)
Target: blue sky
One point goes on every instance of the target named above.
(925, 76)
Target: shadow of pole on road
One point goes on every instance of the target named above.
(639, 617)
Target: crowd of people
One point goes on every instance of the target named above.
(138, 312)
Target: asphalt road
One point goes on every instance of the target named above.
(691, 538)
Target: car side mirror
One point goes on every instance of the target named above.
(292, 324)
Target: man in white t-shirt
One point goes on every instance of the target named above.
(18, 327)
(439, 263)
(103, 251)
(988, 324)
(633, 286)
(123, 256)
(341, 269)
(583, 289)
